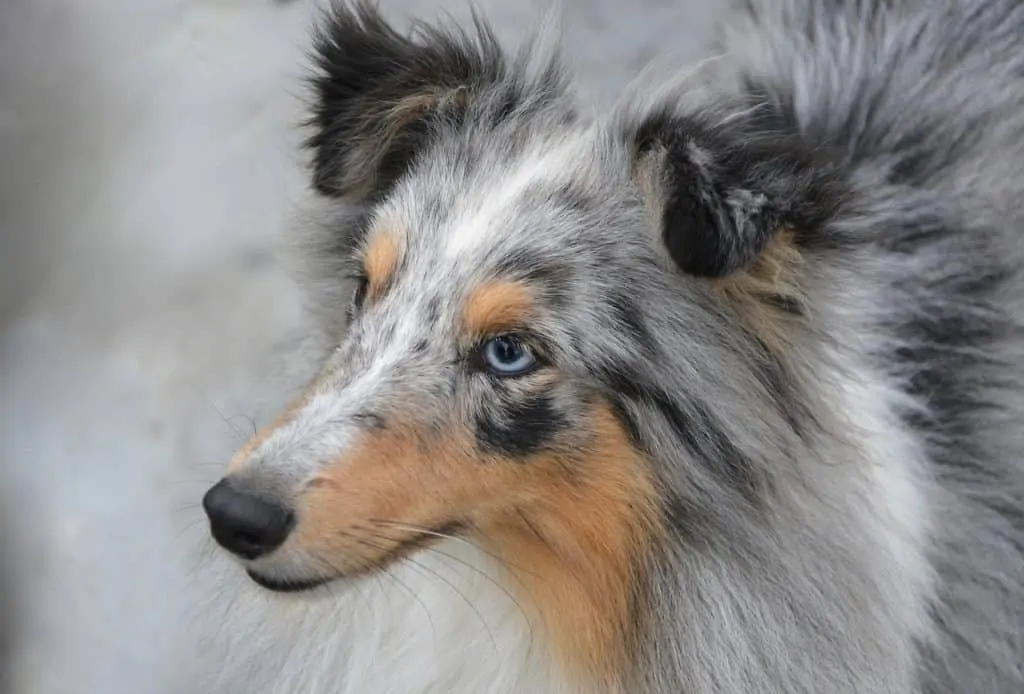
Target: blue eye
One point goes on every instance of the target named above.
(507, 356)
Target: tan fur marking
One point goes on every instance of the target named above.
(648, 172)
(576, 528)
(380, 261)
(774, 275)
(399, 115)
(496, 307)
(386, 477)
(579, 546)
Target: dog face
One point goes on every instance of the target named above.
(541, 310)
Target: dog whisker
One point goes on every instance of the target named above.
(383, 572)
(458, 560)
(229, 421)
(452, 586)
(469, 543)
(486, 576)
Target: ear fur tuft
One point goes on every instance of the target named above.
(380, 96)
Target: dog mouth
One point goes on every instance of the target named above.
(287, 586)
(420, 540)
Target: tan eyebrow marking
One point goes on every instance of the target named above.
(380, 261)
(496, 307)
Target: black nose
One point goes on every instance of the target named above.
(245, 524)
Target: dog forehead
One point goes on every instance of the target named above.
(464, 207)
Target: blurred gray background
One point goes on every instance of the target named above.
(148, 165)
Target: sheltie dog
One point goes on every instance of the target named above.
(719, 391)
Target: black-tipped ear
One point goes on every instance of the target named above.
(724, 192)
(377, 91)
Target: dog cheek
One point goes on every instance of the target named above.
(520, 429)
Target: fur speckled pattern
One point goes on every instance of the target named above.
(770, 441)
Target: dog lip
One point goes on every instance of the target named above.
(396, 553)
(288, 586)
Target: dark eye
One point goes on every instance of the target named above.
(360, 295)
(507, 356)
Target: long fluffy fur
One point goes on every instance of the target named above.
(795, 278)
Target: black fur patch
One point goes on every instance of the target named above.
(628, 420)
(630, 320)
(573, 198)
(433, 310)
(370, 421)
(689, 520)
(367, 70)
(521, 428)
(779, 385)
(730, 189)
(695, 426)
(946, 356)
(692, 423)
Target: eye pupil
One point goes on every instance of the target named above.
(506, 350)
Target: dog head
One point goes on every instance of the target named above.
(546, 315)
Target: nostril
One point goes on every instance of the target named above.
(244, 523)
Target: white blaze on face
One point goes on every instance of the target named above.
(546, 164)
(321, 429)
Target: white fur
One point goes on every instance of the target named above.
(897, 494)
(538, 167)
(392, 633)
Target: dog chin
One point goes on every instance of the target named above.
(289, 585)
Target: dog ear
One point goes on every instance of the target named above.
(378, 93)
(721, 193)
